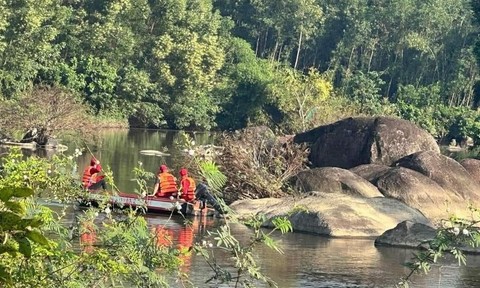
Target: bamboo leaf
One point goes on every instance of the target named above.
(22, 192)
(6, 193)
(9, 220)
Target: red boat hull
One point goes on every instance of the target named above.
(152, 203)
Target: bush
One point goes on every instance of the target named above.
(49, 110)
(258, 165)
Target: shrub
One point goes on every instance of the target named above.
(258, 165)
(49, 110)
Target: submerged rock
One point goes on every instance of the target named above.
(414, 235)
(407, 234)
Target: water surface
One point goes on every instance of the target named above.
(308, 260)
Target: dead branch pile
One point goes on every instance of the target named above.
(259, 166)
(47, 110)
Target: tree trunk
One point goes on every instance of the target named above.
(275, 50)
(299, 48)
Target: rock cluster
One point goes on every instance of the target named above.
(368, 175)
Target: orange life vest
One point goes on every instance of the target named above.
(190, 194)
(167, 184)
(87, 179)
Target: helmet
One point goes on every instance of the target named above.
(163, 168)
(183, 172)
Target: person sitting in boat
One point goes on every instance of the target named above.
(165, 183)
(91, 180)
(187, 186)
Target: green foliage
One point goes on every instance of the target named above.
(216, 180)
(242, 254)
(184, 65)
(125, 252)
(365, 90)
(420, 105)
(424, 106)
(19, 233)
(299, 97)
(244, 90)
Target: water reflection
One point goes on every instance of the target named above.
(120, 151)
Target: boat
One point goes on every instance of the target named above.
(151, 203)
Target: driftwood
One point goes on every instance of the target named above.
(258, 165)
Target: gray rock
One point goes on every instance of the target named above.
(414, 235)
(334, 180)
(336, 215)
(473, 168)
(370, 172)
(448, 173)
(417, 191)
(365, 140)
(407, 234)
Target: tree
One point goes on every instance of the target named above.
(48, 110)
(187, 55)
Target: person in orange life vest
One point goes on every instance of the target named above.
(187, 185)
(91, 180)
(165, 183)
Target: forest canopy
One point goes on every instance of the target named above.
(289, 64)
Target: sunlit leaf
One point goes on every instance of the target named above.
(37, 237)
(16, 207)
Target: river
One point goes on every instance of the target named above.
(307, 261)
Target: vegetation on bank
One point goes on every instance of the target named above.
(39, 246)
(289, 64)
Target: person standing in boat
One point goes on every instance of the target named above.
(91, 180)
(165, 183)
(187, 186)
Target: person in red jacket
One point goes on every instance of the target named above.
(91, 180)
(165, 183)
(187, 185)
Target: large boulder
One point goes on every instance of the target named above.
(448, 173)
(337, 215)
(364, 140)
(335, 180)
(473, 168)
(417, 191)
(370, 172)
